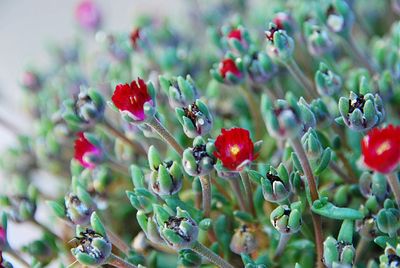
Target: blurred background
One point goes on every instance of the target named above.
(27, 30)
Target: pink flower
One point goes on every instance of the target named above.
(88, 15)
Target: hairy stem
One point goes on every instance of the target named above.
(136, 147)
(356, 52)
(248, 191)
(255, 113)
(116, 261)
(361, 246)
(340, 173)
(305, 164)
(211, 256)
(393, 181)
(206, 194)
(165, 135)
(236, 189)
(301, 78)
(118, 242)
(283, 240)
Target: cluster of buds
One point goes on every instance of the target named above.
(275, 184)
(181, 91)
(318, 40)
(166, 176)
(340, 252)
(287, 219)
(286, 118)
(199, 159)
(327, 82)
(93, 246)
(195, 119)
(178, 229)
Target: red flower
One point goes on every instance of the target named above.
(134, 36)
(381, 149)
(280, 19)
(228, 65)
(84, 149)
(131, 98)
(236, 34)
(233, 147)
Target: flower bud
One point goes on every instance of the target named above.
(340, 252)
(85, 110)
(179, 231)
(142, 199)
(20, 208)
(229, 71)
(280, 45)
(188, 258)
(93, 247)
(31, 81)
(338, 17)
(275, 184)
(88, 150)
(374, 185)
(284, 21)
(260, 67)
(361, 112)
(199, 159)
(391, 257)
(287, 220)
(236, 39)
(327, 82)
(166, 178)
(318, 41)
(43, 250)
(243, 241)
(286, 118)
(79, 206)
(388, 219)
(195, 119)
(312, 146)
(181, 92)
(149, 227)
(88, 15)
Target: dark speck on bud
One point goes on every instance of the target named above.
(195, 119)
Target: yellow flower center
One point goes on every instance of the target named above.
(235, 149)
(383, 147)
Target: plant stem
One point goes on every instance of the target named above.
(236, 189)
(118, 242)
(301, 78)
(283, 240)
(255, 112)
(16, 256)
(393, 181)
(211, 256)
(340, 172)
(135, 146)
(361, 246)
(165, 135)
(248, 191)
(116, 261)
(45, 229)
(305, 164)
(355, 51)
(206, 194)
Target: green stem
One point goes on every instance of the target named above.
(206, 194)
(356, 52)
(340, 173)
(234, 182)
(211, 256)
(16, 256)
(116, 261)
(45, 229)
(114, 131)
(361, 246)
(317, 224)
(255, 112)
(248, 191)
(118, 242)
(165, 135)
(301, 78)
(283, 240)
(394, 186)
